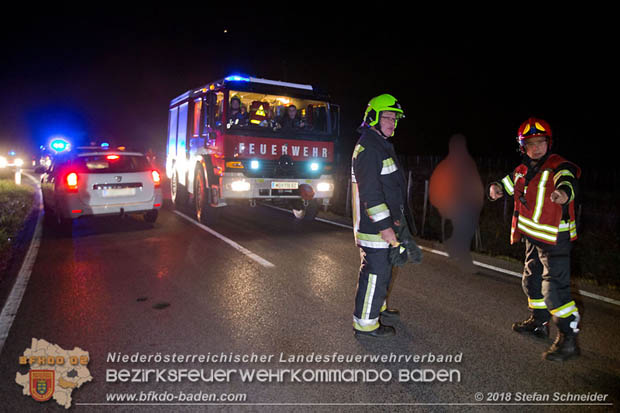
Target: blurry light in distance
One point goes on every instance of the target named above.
(156, 205)
(323, 187)
(3, 162)
(19, 162)
(240, 186)
(105, 145)
(314, 166)
(76, 211)
(254, 164)
(112, 157)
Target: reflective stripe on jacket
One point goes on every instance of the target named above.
(378, 189)
(535, 215)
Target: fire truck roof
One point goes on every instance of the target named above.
(240, 79)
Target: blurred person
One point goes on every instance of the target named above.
(544, 187)
(379, 194)
(456, 190)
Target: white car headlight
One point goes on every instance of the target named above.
(3, 162)
(19, 162)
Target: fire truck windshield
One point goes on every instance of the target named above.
(276, 114)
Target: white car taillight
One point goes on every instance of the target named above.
(72, 181)
(156, 178)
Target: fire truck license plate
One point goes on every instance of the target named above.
(284, 185)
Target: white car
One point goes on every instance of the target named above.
(97, 182)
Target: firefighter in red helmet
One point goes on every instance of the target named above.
(544, 188)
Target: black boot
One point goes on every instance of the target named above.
(381, 332)
(390, 314)
(532, 325)
(563, 348)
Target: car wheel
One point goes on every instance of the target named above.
(64, 226)
(205, 213)
(151, 216)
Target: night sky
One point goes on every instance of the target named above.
(100, 74)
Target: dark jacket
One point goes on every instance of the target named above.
(379, 189)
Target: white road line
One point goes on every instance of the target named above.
(338, 224)
(230, 242)
(9, 311)
(478, 263)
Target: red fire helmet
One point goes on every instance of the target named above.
(531, 128)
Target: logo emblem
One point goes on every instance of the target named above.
(41, 384)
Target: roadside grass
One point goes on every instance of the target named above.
(15, 205)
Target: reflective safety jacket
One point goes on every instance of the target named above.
(379, 189)
(535, 215)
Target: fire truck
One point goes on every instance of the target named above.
(242, 139)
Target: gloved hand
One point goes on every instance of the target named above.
(407, 250)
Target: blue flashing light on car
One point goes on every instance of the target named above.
(59, 145)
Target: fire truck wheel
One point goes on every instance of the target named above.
(178, 192)
(205, 213)
(305, 213)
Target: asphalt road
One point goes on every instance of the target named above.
(125, 286)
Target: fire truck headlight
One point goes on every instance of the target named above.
(240, 186)
(323, 187)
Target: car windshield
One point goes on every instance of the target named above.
(111, 163)
(277, 114)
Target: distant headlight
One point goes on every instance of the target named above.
(3, 162)
(19, 162)
(323, 187)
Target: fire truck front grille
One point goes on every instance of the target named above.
(276, 169)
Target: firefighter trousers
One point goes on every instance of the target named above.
(372, 288)
(546, 282)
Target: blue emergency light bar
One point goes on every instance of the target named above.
(237, 78)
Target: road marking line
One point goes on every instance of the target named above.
(338, 224)
(230, 242)
(478, 263)
(11, 306)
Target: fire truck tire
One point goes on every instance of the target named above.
(178, 192)
(306, 213)
(205, 213)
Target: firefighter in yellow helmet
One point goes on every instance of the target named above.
(379, 194)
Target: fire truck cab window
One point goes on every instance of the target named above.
(276, 114)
